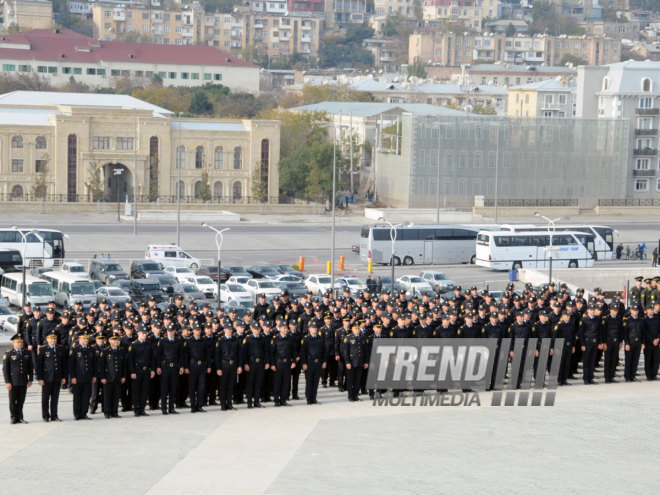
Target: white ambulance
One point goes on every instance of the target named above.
(171, 255)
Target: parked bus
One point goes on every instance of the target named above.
(506, 250)
(603, 236)
(45, 247)
(10, 260)
(38, 291)
(69, 288)
(421, 244)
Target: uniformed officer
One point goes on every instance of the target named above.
(82, 372)
(23, 318)
(97, 386)
(227, 361)
(169, 365)
(141, 366)
(254, 359)
(112, 370)
(18, 373)
(196, 364)
(50, 373)
(313, 356)
(283, 360)
(613, 336)
(590, 335)
(633, 334)
(353, 351)
(651, 340)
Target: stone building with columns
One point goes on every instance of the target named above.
(81, 147)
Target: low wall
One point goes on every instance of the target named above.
(527, 211)
(419, 215)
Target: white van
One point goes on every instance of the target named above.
(75, 269)
(68, 288)
(171, 255)
(38, 292)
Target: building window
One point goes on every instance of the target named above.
(199, 157)
(72, 167)
(194, 75)
(17, 192)
(646, 85)
(217, 190)
(184, 75)
(41, 69)
(562, 99)
(644, 123)
(172, 75)
(265, 162)
(217, 157)
(217, 77)
(91, 72)
(100, 72)
(646, 102)
(40, 166)
(100, 143)
(77, 70)
(180, 157)
(642, 164)
(17, 141)
(237, 190)
(8, 67)
(238, 158)
(17, 165)
(124, 143)
(641, 185)
(198, 188)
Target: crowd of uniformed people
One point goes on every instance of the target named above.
(125, 359)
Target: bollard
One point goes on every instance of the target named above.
(328, 268)
(301, 263)
(370, 266)
(342, 260)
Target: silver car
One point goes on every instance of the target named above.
(438, 281)
(112, 295)
(189, 292)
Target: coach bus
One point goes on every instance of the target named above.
(515, 250)
(603, 236)
(420, 244)
(43, 247)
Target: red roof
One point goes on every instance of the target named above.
(68, 46)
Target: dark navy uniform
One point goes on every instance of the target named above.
(196, 361)
(613, 336)
(254, 354)
(589, 333)
(141, 364)
(313, 355)
(353, 351)
(51, 371)
(651, 347)
(82, 369)
(169, 359)
(283, 356)
(113, 368)
(227, 360)
(17, 370)
(633, 334)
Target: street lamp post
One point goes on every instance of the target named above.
(334, 209)
(393, 238)
(23, 245)
(135, 180)
(551, 232)
(117, 174)
(179, 163)
(219, 238)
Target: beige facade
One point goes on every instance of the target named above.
(63, 138)
(26, 14)
(466, 12)
(549, 98)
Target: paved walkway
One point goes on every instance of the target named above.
(597, 439)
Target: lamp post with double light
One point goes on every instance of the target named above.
(551, 232)
(219, 238)
(393, 235)
(24, 246)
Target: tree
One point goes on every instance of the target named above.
(94, 185)
(200, 104)
(417, 69)
(418, 11)
(259, 185)
(572, 59)
(205, 188)
(510, 30)
(484, 110)
(40, 186)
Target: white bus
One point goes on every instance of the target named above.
(38, 292)
(421, 244)
(603, 236)
(514, 250)
(45, 247)
(69, 288)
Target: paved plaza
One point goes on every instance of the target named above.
(596, 439)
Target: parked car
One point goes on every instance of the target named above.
(413, 284)
(386, 284)
(288, 270)
(351, 282)
(37, 271)
(211, 271)
(145, 269)
(438, 281)
(239, 280)
(236, 270)
(189, 292)
(180, 273)
(263, 271)
(107, 271)
(240, 306)
(292, 283)
(5, 313)
(125, 285)
(97, 284)
(10, 324)
(166, 281)
(142, 289)
(318, 283)
(205, 285)
(265, 286)
(76, 269)
(112, 295)
(230, 292)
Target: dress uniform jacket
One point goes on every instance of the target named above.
(17, 367)
(51, 363)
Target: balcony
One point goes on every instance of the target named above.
(645, 152)
(647, 111)
(643, 173)
(646, 132)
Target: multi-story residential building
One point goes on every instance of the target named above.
(341, 13)
(284, 35)
(386, 7)
(629, 29)
(25, 14)
(594, 50)
(466, 12)
(628, 90)
(59, 56)
(549, 98)
(511, 75)
(445, 49)
(296, 6)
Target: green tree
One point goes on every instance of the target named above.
(572, 59)
(200, 104)
(510, 30)
(95, 189)
(484, 110)
(205, 188)
(259, 185)
(40, 186)
(417, 68)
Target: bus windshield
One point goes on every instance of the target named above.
(40, 289)
(82, 288)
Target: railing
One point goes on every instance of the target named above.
(645, 151)
(647, 111)
(489, 202)
(78, 198)
(646, 132)
(629, 202)
(643, 173)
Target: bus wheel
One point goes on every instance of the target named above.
(408, 260)
(517, 265)
(573, 264)
(194, 267)
(473, 260)
(397, 261)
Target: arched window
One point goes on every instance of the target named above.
(180, 157)
(198, 188)
(238, 158)
(72, 167)
(17, 141)
(265, 162)
(217, 190)
(40, 143)
(17, 192)
(646, 85)
(199, 157)
(217, 157)
(606, 83)
(182, 189)
(237, 190)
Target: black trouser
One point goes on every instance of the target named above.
(141, 390)
(281, 381)
(212, 386)
(295, 379)
(312, 376)
(50, 395)
(111, 394)
(340, 373)
(330, 371)
(651, 357)
(589, 360)
(576, 358)
(196, 387)
(611, 360)
(16, 401)
(566, 362)
(82, 391)
(632, 360)
(227, 383)
(169, 380)
(96, 396)
(267, 386)
(239, 389)
(126, 394)
(254, 379)
(182, 390)
(353, 381)
(363, 383)
(154, 391)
